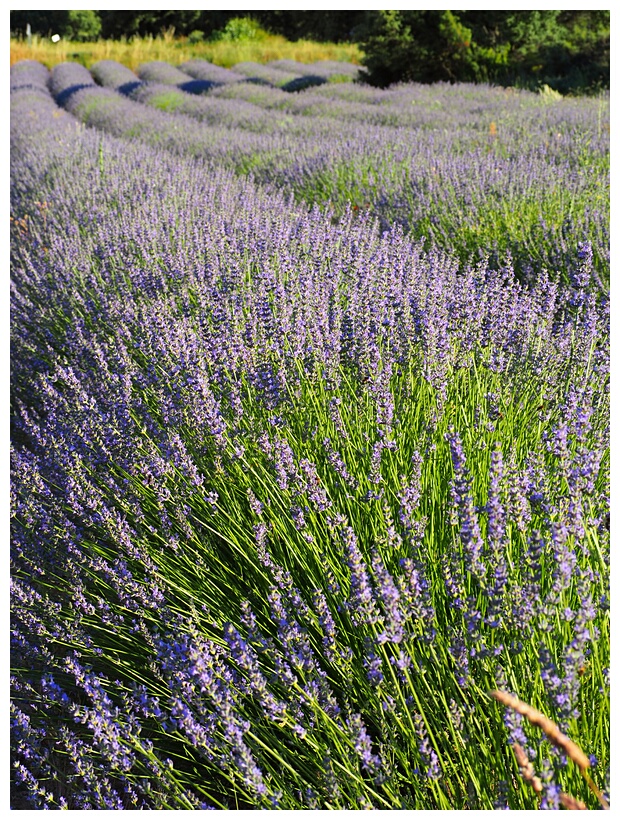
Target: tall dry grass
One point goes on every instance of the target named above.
(176, 50)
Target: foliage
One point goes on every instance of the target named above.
(116, 24)
(79, 26)
(567, 50)
(82, 26)
(239, 28)
(323, 26)
(195, 36)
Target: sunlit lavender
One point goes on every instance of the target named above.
(310, 440)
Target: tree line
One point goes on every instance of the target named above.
(567, 50)
(323, 26)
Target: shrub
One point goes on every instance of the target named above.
(239, 28)
(82, 26)
(196, 37)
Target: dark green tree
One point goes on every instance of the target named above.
(82, 26)
(43, 23)
(567, 50)
(323, 26)
(424, 46)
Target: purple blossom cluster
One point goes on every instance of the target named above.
(240, 433)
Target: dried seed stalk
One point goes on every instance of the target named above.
(553, 733)
(571, 802)
(526, 769)
(537, 718)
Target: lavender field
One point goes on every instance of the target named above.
(310, 441)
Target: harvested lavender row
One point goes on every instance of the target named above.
(158, 71)
(112, 74)
(292, 76)
(258, 73)
(262, 94)
(290, 494)
(210, 110)
(75, 89)
(29, 75)
(330, 70)
(204, 70)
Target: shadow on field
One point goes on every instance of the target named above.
(128, 88)
(306, 81)
(196, 86)
(68, 92)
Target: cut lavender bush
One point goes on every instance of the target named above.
(210, 110)
(204, 70)
(267, 74)
(161, 72)
(292, 489)
(330, 70)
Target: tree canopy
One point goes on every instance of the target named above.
(567, 50)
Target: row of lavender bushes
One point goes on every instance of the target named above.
(506, 172)
(290, 493)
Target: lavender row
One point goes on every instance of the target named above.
(165, 74)
(471, 109)
(204, 70)
(321, 71)
(470, 183)
(475, 326)
(259, 73)
(198, 76)
(231, 114)
(235, 459)
(329, 69)
(75, 89)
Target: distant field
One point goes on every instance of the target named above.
(177, 50)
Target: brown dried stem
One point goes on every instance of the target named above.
(554, 735)
(571, 802)
(526, 769)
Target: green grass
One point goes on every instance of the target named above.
(177, 50)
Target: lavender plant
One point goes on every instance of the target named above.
(161, 72)
(268, 74)
(204, 70)
(290, 493)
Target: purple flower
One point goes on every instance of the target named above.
(362, 603)
(471, 539)
(363, 745)
(427, 753)
(551, 790)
